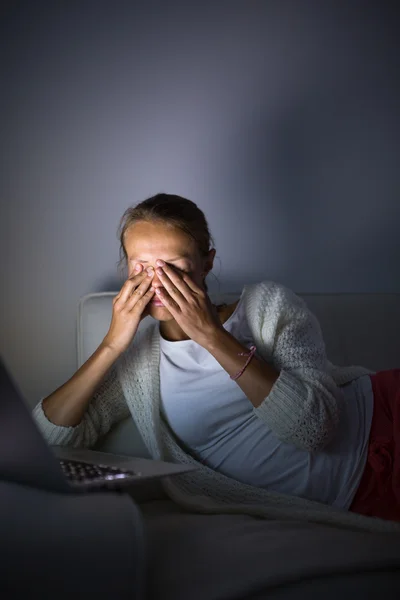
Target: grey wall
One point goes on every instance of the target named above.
(278, 118)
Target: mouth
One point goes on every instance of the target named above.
(156, 303)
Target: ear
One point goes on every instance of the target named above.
(209, 261)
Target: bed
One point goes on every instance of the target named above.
(202, 557)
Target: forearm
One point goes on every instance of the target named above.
(294, 400)
(257, 379)
(67, 405)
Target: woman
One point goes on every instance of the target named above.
(245, 392)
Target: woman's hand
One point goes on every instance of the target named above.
(188, 304)
(129, 308)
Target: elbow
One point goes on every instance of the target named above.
(303, 411)
(313, 436)
(316, 444)
(320, 423)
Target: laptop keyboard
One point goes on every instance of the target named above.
(81, 472)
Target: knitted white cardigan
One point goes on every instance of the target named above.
(302, 409)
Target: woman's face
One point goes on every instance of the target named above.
(145, 242)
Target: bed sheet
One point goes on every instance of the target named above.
(220, 557)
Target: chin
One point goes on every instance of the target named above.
(160, 313)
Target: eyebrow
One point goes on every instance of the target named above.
(166, 260)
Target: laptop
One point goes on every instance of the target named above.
(26, 458)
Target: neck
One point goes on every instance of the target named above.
(171, 331)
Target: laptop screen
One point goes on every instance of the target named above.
(24, 455)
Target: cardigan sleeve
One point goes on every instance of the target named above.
(303, 405)
(106, 408)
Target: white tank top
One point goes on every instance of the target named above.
(215, 422)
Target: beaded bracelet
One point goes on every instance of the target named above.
(250, 356)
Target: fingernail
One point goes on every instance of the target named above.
(137, 268)
(160, 263)
(150, 271)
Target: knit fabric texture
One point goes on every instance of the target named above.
(302, 408)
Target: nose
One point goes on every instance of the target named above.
(155, 282)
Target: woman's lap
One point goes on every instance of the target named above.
(379, 490)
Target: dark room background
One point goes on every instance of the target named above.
(278, 118)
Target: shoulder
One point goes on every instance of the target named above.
(272, 307)
(279, 317)
(271, 295)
